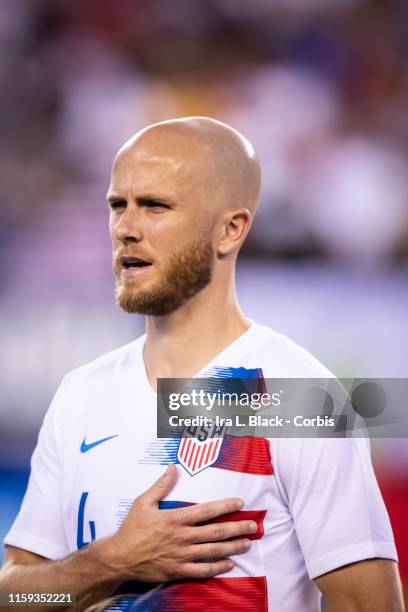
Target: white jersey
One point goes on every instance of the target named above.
(316, 501)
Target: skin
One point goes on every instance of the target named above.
(372, 585)
(209, 177)
(177, 184)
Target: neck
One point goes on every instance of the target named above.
(180, 344)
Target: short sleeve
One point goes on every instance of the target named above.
(338, 513)
(38, 526)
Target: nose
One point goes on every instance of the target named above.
(126, 227)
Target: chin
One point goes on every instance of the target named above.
(131, 300)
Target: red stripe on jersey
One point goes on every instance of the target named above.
(201, 457)
(188, 456)
(209, 451)
(243, 515)
(194, 454)
(183, 446)
(198, 451)
(187, 447)
(214, 595)
(215, 449)
(246, 515)
(247, 455)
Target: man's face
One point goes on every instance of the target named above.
(161, 234)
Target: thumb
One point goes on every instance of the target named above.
(161, 487)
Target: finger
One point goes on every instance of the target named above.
(206, 570)
(200, 513)
(217, 550)
(161, 487)
(219, 531)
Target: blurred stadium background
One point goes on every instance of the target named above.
(320, 88)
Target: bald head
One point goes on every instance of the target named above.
(204, 153)
(182, 197)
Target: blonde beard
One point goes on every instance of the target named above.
(186, 273)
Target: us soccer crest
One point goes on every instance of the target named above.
(200, 447)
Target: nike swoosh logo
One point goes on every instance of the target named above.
(86, 447)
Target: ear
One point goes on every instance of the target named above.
(235, 226)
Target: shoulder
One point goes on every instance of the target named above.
(91, 387)
(280, 356)
(102, 369)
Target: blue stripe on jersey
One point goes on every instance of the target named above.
(161, 451)
(170, 505)
(232, 380)
(227, 372)
(125, 505)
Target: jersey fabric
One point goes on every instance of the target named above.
(316, 501)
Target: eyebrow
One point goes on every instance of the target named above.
(144, 198)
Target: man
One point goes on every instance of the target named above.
(182, 197)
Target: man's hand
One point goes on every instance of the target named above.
(151, 545)
(155, 545)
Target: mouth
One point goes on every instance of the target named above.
(133, 262)
(132, 266)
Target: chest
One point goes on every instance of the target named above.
(114, 456)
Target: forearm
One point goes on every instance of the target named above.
(87, 573)
(371, 585)
(365, 601)
(369, 605)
